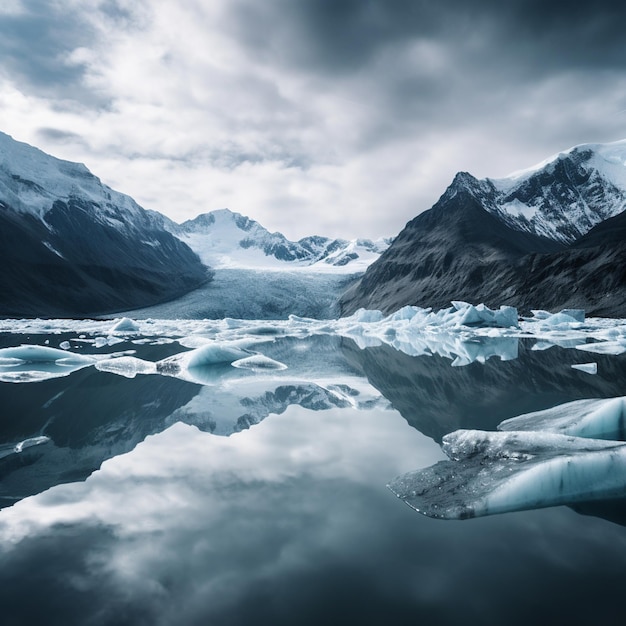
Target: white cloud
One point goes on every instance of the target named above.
(180, 112)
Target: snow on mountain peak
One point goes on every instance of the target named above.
(225, 239)
(31, 181)
(606, 157)
(563, 197)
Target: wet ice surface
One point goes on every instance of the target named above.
(235, 472)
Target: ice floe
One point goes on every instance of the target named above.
(510, 471)
(463, 333)
(127, 366)
(564, 455)
(124, 326)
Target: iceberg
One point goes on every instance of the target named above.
(568, 454)
(125, 325)
(501, 472)
(127, 366)
(588, 368)
(31, 363)
(595, 419)
(207, 364)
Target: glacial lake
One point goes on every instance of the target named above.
(145, 485)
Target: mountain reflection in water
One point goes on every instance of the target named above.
(260, 496)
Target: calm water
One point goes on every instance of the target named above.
(260, 497)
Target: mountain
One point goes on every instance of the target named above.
(70, 245)
(225, 239)
(263, 275)
(547, 237)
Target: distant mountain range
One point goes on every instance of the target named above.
(224, 239)
(552, 236)
(72, 246)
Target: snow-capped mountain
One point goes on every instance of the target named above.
(225, 239)
(563, 197)
(550, 236)
(70, 245)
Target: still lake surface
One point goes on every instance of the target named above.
(257, 495)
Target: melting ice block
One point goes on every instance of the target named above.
(511, 471)
(207, 364)
(596, 419)
(30, 363)
(127, 366)
(125, 325)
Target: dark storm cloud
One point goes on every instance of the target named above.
(344, 35)
(420, 65)
(35, 44)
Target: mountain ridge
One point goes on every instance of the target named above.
(467, 247)
(70, 245)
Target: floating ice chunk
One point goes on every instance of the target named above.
(28, 443)
(127, 366)
(576, 314)
(259, 362)
(407, 313)
(65, 345)
(507, 317)
(207, 364)
(30, 363)
(40, 354)
(510, 471)
(125, 325)
(100, 342)
(367, 316)
(596, 419)
(588, 368)
(481, 315)
(559, 319)
(195, 341)
(215, 353)
(540, 314)
(471, 316)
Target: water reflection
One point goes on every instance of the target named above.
(290, 522)
(437, 399)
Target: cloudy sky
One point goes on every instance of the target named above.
(335, 117)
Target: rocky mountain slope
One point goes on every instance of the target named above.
(547, 237)
(70, 245)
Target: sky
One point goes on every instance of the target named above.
(332, 117)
